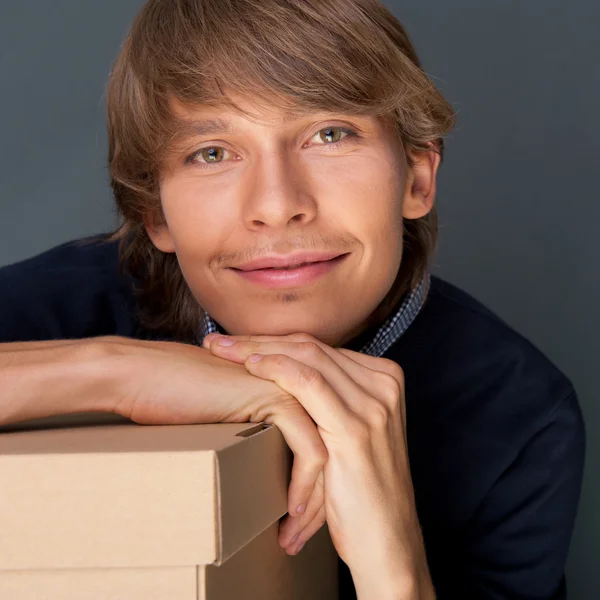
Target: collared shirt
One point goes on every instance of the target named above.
(387, 334)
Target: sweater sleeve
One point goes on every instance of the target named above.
(517, 541)
(67, 292)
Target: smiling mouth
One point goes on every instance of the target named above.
(292, 266)
(291, 276)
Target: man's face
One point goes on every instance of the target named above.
(272, 187)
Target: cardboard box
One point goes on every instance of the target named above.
(97, 507)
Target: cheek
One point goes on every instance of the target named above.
(371, 194)
(196, 217)
(379, 198)
(184, 204)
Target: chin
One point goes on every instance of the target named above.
(328, 336)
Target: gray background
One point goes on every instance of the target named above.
(517, 200)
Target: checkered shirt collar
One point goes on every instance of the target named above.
(389, 332)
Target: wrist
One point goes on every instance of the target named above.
(116, 360)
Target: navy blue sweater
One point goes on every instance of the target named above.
(495, 433)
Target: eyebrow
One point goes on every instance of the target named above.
(216, 125)
(204, 126)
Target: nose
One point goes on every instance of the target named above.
(277, 194)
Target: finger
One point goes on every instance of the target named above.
(361, 368)
(375, 363)
(310, 363)
(241, 338)
(310, 530)
(309, 386)
(340, 408)
(292, 526)
(310, 453)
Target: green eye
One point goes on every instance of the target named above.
(212, 153)
(331, 132)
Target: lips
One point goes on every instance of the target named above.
(307, 274)
(290, 267)
(292, 260)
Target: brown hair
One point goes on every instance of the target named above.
(348, 55)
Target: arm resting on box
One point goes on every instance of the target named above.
(41, 379)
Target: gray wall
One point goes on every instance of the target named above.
(518, 206)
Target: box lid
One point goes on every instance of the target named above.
(96, 490)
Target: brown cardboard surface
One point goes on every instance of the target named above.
(261, 570)
(251, 491)
(173, 583)
(127, 495)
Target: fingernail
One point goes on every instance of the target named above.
(293, 540)
(225, 342)
(300, 548)
(301, 508)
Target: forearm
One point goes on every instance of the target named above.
(398, 569)
(388, 583)
(40, 379)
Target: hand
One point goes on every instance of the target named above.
(173, 383)
(357, 402)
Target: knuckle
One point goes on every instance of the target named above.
(309, 376)
(301, 337)
(257, 338)
(253, 345)
(391, 389)
(311, 463)
(377, 416)
(393, 369)
(278, 408)
(313, 453)
(278, 360)
(309, 350)
(320, 456)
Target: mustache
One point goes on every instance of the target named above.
(317, 244)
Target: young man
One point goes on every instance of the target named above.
(275, 167)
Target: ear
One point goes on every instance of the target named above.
(419, 195)
(158, 231)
